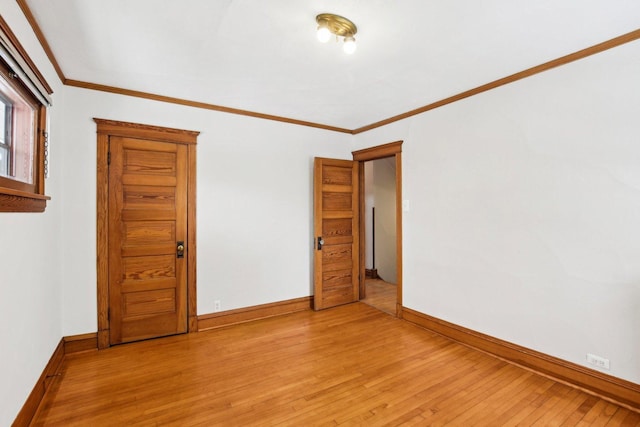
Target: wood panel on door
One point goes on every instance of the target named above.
(336, 227)
(147, 223)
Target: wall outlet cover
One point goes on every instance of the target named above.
(598, 361)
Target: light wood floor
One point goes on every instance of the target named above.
(381, 295)
(351, 365)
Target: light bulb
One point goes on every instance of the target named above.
(323, 34)
(349, 45)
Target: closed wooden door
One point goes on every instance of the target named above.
(336, 226)
(147, 239)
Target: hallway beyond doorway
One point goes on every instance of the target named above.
(381, 295)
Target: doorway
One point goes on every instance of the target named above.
(146, 232)
(380, 183)
(339, 228)
(379, 216)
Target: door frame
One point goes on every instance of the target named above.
(105, 129)
(392, 149)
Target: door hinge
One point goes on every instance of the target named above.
(109, 158)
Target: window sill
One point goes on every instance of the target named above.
(21, 201)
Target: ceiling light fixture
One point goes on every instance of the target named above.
(329, 24)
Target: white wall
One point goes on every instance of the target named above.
(254, 202)
(30, 263)
(525, 210)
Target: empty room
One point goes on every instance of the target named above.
(240, 212)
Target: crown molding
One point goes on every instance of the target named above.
(197, 104)
(601, 47)
(592, 50)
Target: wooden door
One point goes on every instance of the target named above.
(147, 226)
(336, 227)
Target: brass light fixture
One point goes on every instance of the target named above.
(329, 24)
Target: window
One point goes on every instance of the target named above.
(24, 97)
(17, 139)
(5, 135)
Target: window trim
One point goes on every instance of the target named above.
(14, 195)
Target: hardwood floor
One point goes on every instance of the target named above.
(381, 295)
(350, 365)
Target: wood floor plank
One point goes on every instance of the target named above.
(477, 413)
(466, 398)
(437, 383)
(562, 410)
(388, 404)
(593, 414)
(350, 365)
(557, 394)
(579, 413)
(632, 419)
(512, 404)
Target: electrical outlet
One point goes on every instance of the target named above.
(598, 361)
(216, 305)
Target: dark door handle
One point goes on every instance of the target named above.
(320, 243)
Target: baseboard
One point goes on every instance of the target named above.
(35, 397)
(78, 343)
(606, 386)
(247, 314)
(67, 345)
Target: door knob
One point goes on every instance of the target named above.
(320, 242)
(180, 250)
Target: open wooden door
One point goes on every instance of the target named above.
(336, 228)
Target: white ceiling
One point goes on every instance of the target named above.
(263, 56)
